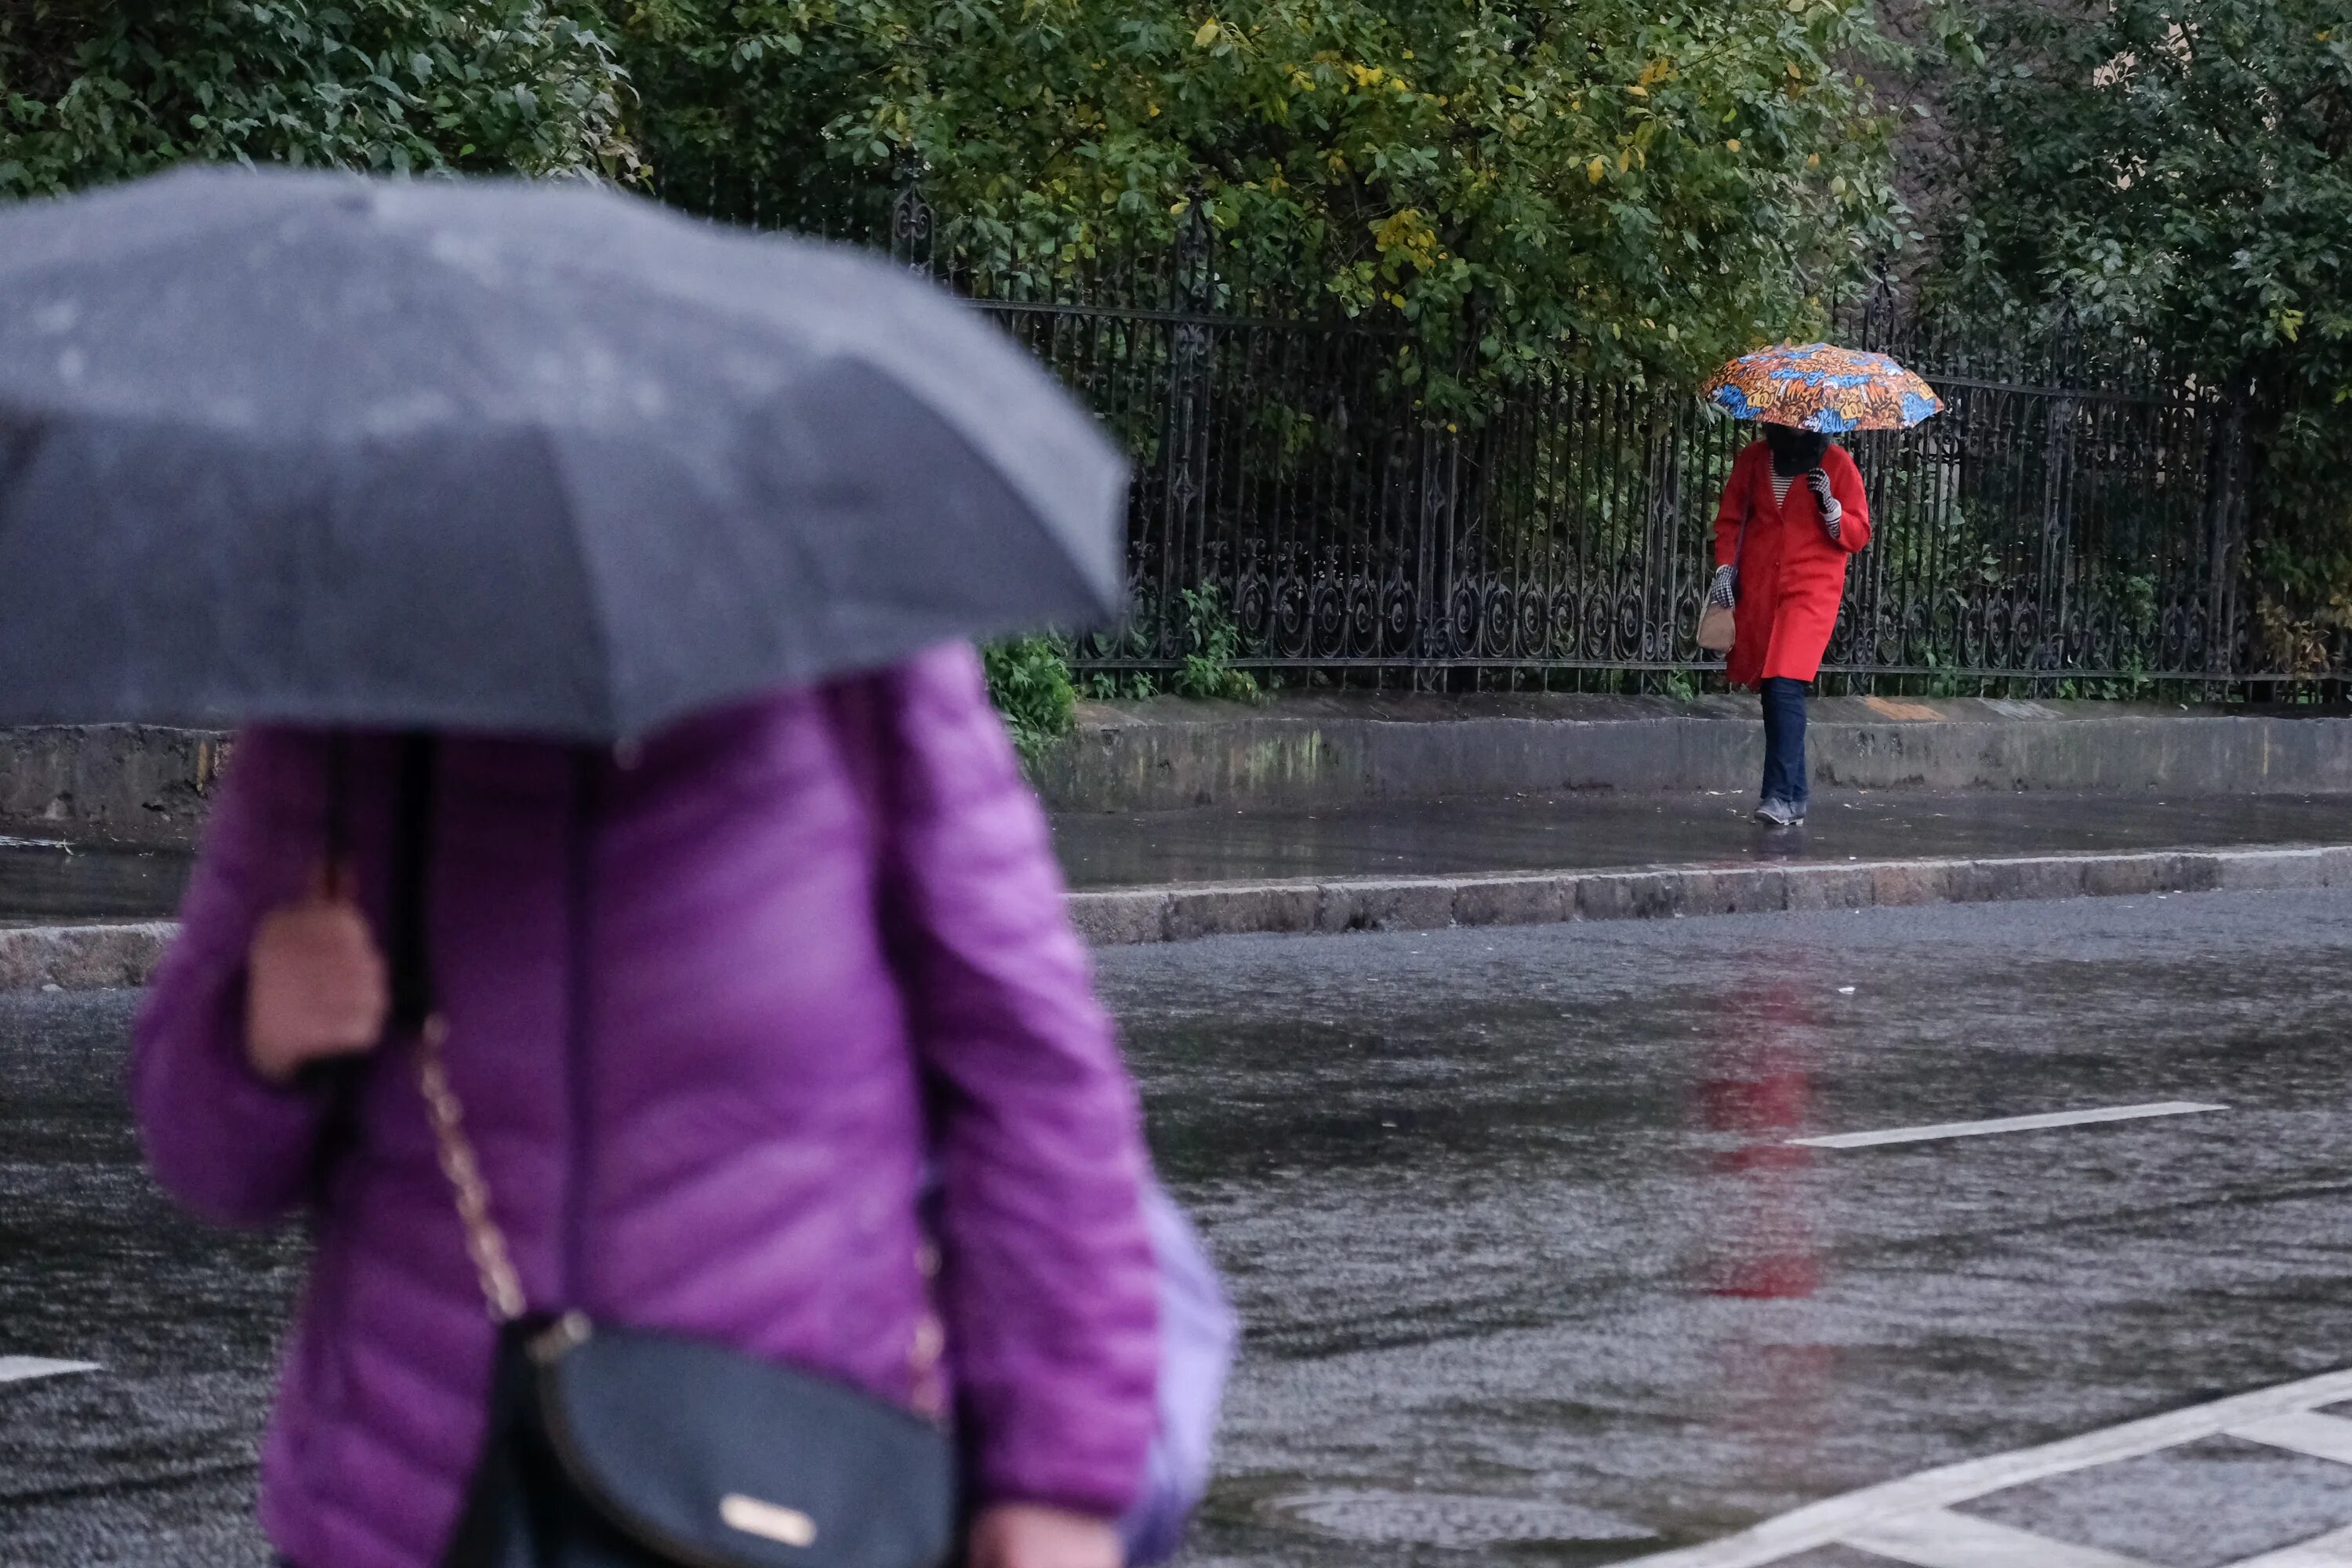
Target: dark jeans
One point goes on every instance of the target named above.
(1784, 740)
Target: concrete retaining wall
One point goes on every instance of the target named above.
(143, 785)
(128, 782)
(1316, 751)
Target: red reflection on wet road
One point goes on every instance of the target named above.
(1754, 1094)
(1759, 1086)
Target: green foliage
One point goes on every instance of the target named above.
(93, 90)
(1649, 183)
(1029, 682)
(1109, 685)
(2174, 167)
(1211, 642)
(2179, 174)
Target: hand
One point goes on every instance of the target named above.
(1724, 589)
(1029, 1535)
(1831, 511)
(316, 985)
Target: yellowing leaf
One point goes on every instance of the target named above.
(1596, 169)
(1208, 33)
(1733, 143)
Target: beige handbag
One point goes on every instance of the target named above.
(1718, 625)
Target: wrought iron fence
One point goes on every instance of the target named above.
(2066, 526)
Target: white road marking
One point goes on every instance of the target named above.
(2305, 1432)
(2333, 1550)
(19, 1368)
(1937, 1538)
(2007, 1124)
(1839, 1518)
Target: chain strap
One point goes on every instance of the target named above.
(486, 1244)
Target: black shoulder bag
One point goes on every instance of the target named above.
(618, 1447)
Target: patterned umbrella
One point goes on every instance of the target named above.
(1815, 386)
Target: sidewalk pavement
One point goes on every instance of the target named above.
(1609, 832)
(95, 918)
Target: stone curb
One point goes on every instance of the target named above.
(1126, 916)
(81, 958)
(94, 957)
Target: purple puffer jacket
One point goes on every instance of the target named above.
(697, 998)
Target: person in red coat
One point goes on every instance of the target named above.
(1792, 515)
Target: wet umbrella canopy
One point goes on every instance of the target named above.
(1819, 387)
(540, 459)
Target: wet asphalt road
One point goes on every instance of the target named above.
(1530, 1271)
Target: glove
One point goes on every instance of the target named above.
(1833, 509)
(1721, 591)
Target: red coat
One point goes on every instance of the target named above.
(1791, 574)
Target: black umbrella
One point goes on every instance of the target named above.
(532, 458)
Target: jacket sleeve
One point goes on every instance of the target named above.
(1732, 511)
(1845, 483)
(222, 1140)
(1048, 1285)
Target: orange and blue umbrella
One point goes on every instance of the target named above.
(1818, 386)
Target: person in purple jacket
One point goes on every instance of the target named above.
(716, 1007)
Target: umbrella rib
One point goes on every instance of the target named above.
(592, 586)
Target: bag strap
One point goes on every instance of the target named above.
(414, 1014)
(486, 1244)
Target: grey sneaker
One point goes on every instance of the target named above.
(1781, 813)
